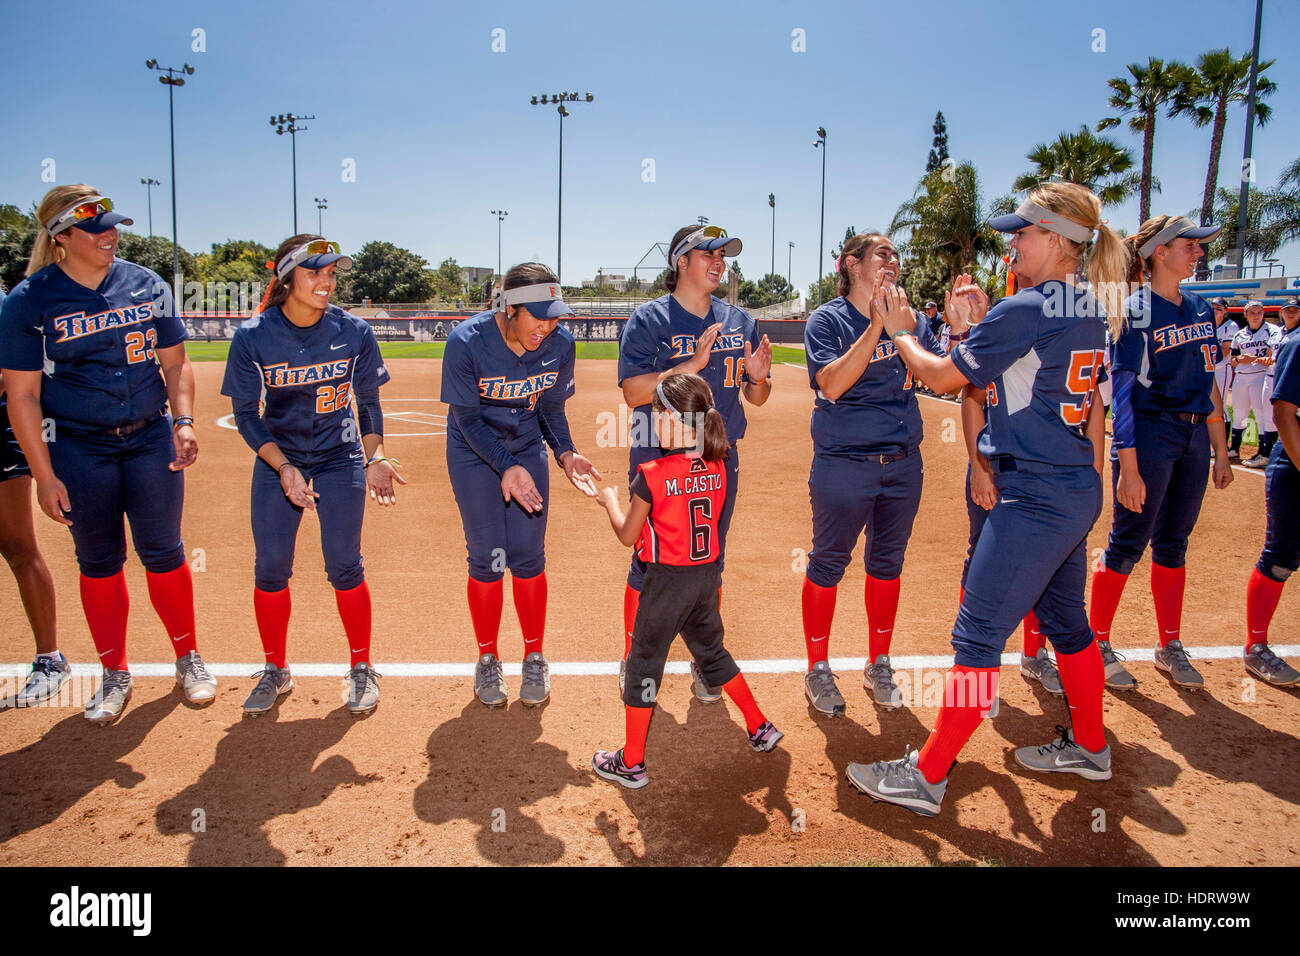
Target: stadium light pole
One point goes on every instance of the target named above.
(501, 215)
(171, 81)
(148, 185)
(1247, 166)
(559, 99)
(771, 201)
(789, 257)
(288, 123)
(702, 220)
(821, 234)
(321, 204)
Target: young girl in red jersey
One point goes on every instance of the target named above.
(673, 521)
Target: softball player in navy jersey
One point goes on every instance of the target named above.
(677, 500)
(1252, 349)
(1287, 328)
(82, 340)
(506, 375)
(1281, 554)
(689, 330)
(1043, 351)
(866, 471)
(303, 360)
(18, 545)
(1167, 413)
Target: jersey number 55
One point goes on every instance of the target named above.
(1081, 380)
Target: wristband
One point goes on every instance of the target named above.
(183, 420)
(1216, 418)
(391, 461)
(282, 467)
(900, 332)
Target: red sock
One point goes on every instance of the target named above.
(1167, 589)
(172, 595)
(818, 612)
(968, 692)
(106, 604)
(354, 610)
(637, 721)
(530, 607)
(631, 600)
(882, 607)
(1262, 595)
(1082, 677)
(1107, 589)
(272, 611)
(485, 613)
(1034, 640)
(738, 690)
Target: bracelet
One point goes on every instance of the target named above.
(391, 461)
(1216, 418)
(183, 420)
(282, 467)
(900, 332)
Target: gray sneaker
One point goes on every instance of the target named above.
(1117, 678)
(1063, 755)
(363, 690)
(819, 687)
(199, 686)
(899, 782)
(1257, 461)
(47, 676)
(489, 684)
(1173, 659)
(1263, 663)
(110, 697)
(703, 692)
(535, 688)
(878, 681)
(1040, 668)
(272, 683)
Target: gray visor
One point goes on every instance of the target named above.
(1175, 229)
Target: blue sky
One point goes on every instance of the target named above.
(441, 131)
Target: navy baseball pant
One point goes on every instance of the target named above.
(1032, 555)
(108, 477)
(340, 480)
(499, 533)
(1174, 462)
(851, 494)
(1281, 554)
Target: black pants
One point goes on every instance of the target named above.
(676, 600)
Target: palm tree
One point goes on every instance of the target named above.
(1204, 96)
(1282, 205)
(1098, 163)
(946, 218)
(1153, 86)
(1264, 234)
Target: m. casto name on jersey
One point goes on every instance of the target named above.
(282, 376)
(1172, 336)
(500, 388)
(79, 324)
(692, 485)
(684, 345)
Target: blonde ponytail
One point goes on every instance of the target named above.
(45, 250)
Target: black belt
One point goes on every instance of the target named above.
(1191, 418)
(889, 459)
(123, 430)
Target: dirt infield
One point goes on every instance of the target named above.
(432, 777)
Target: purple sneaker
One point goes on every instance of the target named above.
(609, 764)
(765, 738)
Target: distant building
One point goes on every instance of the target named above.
(614, 283)
(476, 275)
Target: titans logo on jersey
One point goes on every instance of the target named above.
(78, 324)
(284, 376)
(1172, 336)
(683, 346)
(501, 388)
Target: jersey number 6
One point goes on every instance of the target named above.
(701, 531)
(1081, 381)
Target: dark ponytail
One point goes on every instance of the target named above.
(670, 278)
(691, 396)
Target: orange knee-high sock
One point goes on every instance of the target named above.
(485, 613)
(354, 610)
(968, 693)
(1167, 590)
(1034, 640)
(637, 722)
(272, 610)
(738, 690)
(172, 595)
(631, 600)
(106, 604)
(1107, 589)
(530, 607)
(1262, 595)
(818, 612)
(1083, 677)
(881, 598)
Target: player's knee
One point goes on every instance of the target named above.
(718, 667)
(886, 567)
(271, 576)
(1170, 555)
(1120, 563)
(1078, 640)
(975, 653)
(528, 567)
(1274, 571)
(825, 570)
(347, 577)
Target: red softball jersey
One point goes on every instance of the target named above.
(686, 494)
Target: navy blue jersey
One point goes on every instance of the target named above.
(878, 415)
(1255, 343)
(511, 392)
(305, 377)
(661, 335)
(2, 306)
(1286, 374)
(1041, 352)
(1171, 349)
(95, 346)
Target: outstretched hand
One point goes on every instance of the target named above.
(517, 483)
(580, 473)
(966, 304)
(892, 308)
(758, 364)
